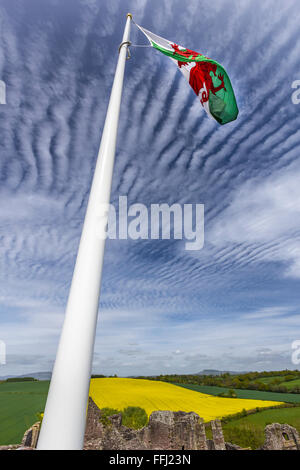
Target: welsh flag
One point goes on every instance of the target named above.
(207, 77)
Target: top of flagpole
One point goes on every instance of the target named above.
(130, 15)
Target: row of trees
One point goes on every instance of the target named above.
(248, 381)
(21, 379)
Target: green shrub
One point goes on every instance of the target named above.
(245, 435)
(105, 413)
(229, 394)
(134, 417)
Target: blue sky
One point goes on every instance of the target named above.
(233, 305)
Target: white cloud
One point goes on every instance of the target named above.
(268, 312)
(264, 213)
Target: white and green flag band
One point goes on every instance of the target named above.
(207, 77)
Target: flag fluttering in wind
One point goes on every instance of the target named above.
(207, 77)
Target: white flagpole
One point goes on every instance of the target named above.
(64, 419)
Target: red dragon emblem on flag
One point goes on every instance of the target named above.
(200, 77)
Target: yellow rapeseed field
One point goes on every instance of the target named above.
(151, 395)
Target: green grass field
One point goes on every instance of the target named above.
(19, 404)
(249, 431)
(251, 394)
(267, 380)
(291, 384)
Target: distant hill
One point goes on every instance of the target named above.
(35, 375)
(219, 372)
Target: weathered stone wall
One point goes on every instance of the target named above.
(10, 447)
(174, 431)
(31, 436)
(166, 430)
(217, 432)
(281, 437)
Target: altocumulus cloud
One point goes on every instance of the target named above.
(234, 304)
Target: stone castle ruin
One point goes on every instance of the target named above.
(166, 430)
(174, 430)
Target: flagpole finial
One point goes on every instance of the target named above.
(130, 15)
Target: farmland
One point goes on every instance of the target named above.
(291, 385)
(248, 394)
(153, 395)
(21, 401)
(19, 404)
(249, 431)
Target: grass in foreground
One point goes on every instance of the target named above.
(248, 394)
(151, 395)
(19, 404)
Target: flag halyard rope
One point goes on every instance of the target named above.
(132, 45)
(128, 51)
